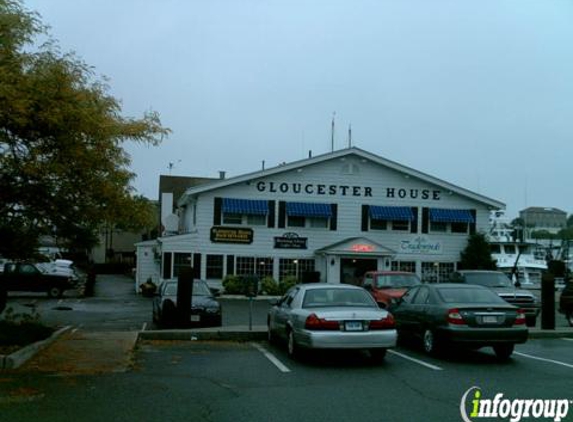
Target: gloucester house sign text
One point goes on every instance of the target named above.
(346, 190)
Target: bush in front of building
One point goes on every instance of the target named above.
(286, 283)
(270, 287)
(232, 285)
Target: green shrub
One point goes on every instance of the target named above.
(286, 283)
(270, 287)
(22, 329)
(232, 285)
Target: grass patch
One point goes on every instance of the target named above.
(19, 330)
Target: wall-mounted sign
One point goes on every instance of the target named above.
(290, 241)
(231, 235)
(395, 192)
(362, 248)
(420, 245)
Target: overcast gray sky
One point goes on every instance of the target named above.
(476, 92)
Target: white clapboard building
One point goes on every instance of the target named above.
(332, 216)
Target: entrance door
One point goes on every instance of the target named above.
(352, 269)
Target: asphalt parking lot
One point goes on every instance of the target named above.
(256, 381)
(227, 381)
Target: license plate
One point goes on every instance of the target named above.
(353, 325)
(195, 318)
(489, 319)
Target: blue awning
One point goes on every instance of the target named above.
(440, 215)
(306, 209)
(391, 213)
(245, 206)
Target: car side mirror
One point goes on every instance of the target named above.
(517, 284)
(215, 292)
(368, 287)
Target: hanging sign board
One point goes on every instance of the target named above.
(231, 235)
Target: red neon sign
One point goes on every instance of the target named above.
(362, 248)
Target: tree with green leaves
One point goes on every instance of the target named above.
(63, 168)
(477, 254)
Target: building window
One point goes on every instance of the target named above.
(460, 227)
(318, 222)
(215, 266)
(401, 225)
(407, 266)
(244, 211)
(295, 267)
(245, 265)
(249, 265)
(390, 218)
(296, 221)
(264, 267)
(438, 227)
(437, 272)
(256, 220)
(180, 260)
(231, 218)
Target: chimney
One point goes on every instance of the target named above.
(222, 175)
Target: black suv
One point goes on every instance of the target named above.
(502, 285)
(566, 302)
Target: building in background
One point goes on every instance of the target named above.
(336, 215)
(548, 219)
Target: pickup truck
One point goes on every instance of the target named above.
(29, 277)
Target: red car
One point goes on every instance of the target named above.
(388, 286)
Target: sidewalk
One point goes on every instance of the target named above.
(83, 353)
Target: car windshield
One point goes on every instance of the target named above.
(318, 298)
(465, 295)
(390, 281)
(488, 279)
(199, 289)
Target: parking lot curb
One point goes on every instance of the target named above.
(258, 333)
(557, 333)
(18, 358)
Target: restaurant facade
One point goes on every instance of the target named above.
(329, 218)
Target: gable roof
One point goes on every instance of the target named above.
(353, 151)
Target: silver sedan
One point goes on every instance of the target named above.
(331, 316)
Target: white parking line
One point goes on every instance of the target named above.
(556, 362)
(418, 361)
(566, 338)
(271, 357)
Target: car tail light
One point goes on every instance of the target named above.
(315, 323)
(520, 318)
(383, 324)
(455, 317)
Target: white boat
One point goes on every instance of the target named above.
(522, 260)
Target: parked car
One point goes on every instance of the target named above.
(566, 302)
(3, 298)
(388, 286)
(206, 310)
(462, 314)
(331, 316)
(30, 277)
(503, 286)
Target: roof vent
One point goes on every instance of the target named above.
(222, 175)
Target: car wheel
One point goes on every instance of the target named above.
(430, 342)
(292, 347)
(530, 321)
(377, 355)
(503, 351)
(55, 292)
(569, 318)
(168, 316)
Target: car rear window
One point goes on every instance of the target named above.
(488, 279)
(396, 280)
(461, 295)
(317, 298)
